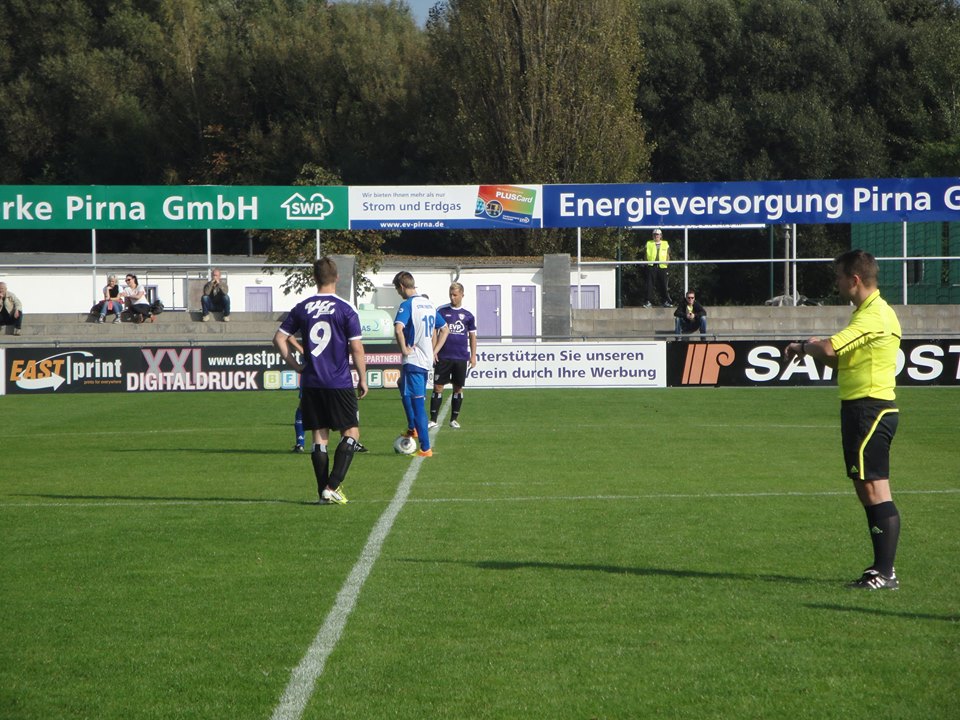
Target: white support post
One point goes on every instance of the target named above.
(318, 244)
(93, 262)
(786, 263)
(579, 238)
(904, 255)
(686, 256)
(796, 295)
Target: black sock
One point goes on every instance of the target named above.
(884, 522)
(341, 461)
(321, 461)
(455, 404)
(435, 401)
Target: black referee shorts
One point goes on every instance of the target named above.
(867, 427)
(331, 409)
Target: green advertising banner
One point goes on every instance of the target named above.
(174, 207)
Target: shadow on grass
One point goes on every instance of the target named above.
(644, 572)
(201, 450)
(884, 613)
(169, 499)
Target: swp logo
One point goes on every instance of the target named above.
(317, 207)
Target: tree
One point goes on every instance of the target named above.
(297, 247)
(533, 91)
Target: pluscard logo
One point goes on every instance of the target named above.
(69, 367)
(299, 208)
(703, 362)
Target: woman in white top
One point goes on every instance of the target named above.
(136, 298)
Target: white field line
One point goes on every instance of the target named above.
(304, 677)
(81, 504)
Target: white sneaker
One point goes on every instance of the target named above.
(100, 320)
(116, 319)
(333, 497)
(431, 425)
(454, 424)
(206, 318)
(226, 318)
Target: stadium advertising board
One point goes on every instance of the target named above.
(444, 207)
(167, 369)
(569, 365)
(499, 366)
(440, 207)
(743, 363)
(184, 207)
(763, 203)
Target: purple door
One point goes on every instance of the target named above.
(258, 299)
(589, 297)
(524, 313)
(488, 311)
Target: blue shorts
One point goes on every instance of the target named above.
(413, 381)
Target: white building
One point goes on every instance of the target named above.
(505, 293)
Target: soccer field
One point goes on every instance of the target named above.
(671, 553)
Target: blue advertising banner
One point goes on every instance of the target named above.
(762, 203)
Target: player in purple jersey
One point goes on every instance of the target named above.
(452, 358)
(414, 326)
(330, 334)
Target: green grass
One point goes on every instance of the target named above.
(568, 554)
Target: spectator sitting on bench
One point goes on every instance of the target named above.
(136, 299)
(11, 309)
(215, 297)
(690, 316)
(112, 300)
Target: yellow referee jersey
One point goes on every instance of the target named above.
(867, 351)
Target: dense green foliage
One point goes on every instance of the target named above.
(197, 91)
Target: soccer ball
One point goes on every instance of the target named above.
(404, 445)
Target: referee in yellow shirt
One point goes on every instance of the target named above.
(865, 356)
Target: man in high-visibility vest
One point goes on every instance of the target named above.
(658, 254)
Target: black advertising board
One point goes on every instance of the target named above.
(245, 367)
(168, 369)
(758, 363)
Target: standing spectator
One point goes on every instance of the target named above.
(11, 309)
(112, 302)
(459, 349)
(136, 298)
(865, 356)
(658, 255)
(414, 325)
(216, 296)
(690, 317)
(329, 328)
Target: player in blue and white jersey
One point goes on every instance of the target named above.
(452, 358)
(330, 333)
(414, 326)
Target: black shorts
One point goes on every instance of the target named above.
(447, 372)
(326, 409)
(867, 427)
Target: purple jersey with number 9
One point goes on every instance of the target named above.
(326, 325)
